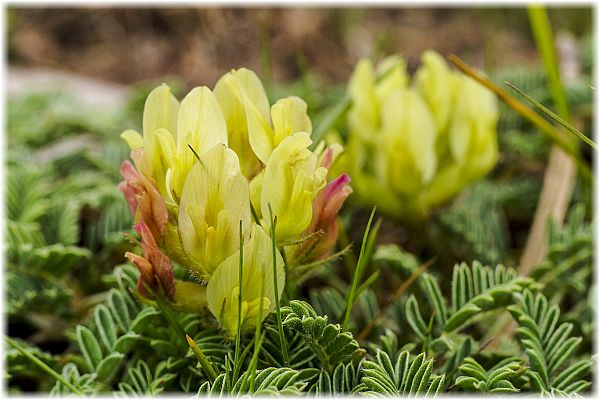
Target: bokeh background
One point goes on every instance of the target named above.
(198, 45)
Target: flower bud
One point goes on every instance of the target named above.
(154, 266)
(145, 202)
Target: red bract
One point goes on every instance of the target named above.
(154, 265)
(326, 207)
(145, 202)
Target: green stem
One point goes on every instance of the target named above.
(542, 124)
(258, 338)
(542, 33)
(239, 316)
(282, 340)
(169, 315)
(554, 117)
(358, 272)
(43, 366)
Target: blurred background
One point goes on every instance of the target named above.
(198, 45)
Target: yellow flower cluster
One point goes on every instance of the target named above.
(220, 165)
(412, 146)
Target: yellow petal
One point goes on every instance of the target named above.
(255, 192)
(474, 120)
(289, 116)
(161, 158)
(410, 134)
(363, 116)
(230, 91)
(260, 133)
(393, 75)
(213, 202)
(133, 138)
(438, 86)
(257, 277)
(189, 296)
(160, 111)
(201, 125)
(292, 179)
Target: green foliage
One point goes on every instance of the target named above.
(569, 262)
(475, 290)
(18, 364)
(549, 346)
(497, 379)
(344, 381)
(477, 226)
(331, 345)
(85, 384)
(141, 381)
(404, 376)
(267, 382)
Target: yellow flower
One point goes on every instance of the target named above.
(224, 290)
(438, 85)
(200, 126)
(239, 92)
(249, 121)
(204, 166)
(471, 137)
(213, 202)
(408, 136)
(292, 179)
(159, 124)
(410, 148)
(170, 129)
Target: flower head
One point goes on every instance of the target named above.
(214, 163)
(412, 147)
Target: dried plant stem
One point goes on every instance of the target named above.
(559, 179)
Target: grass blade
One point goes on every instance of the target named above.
(358, 272)
(542, 124)
(43, 366)
(326, 122)
(286, 358)
(238, 335)
(554, 117)
(542, 33)
(258, 338)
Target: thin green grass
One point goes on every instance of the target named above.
(258, 337)
(555, 117)
(43, 366)
(544, 40)
(282, 341)
(238, 334)
(360, 268)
